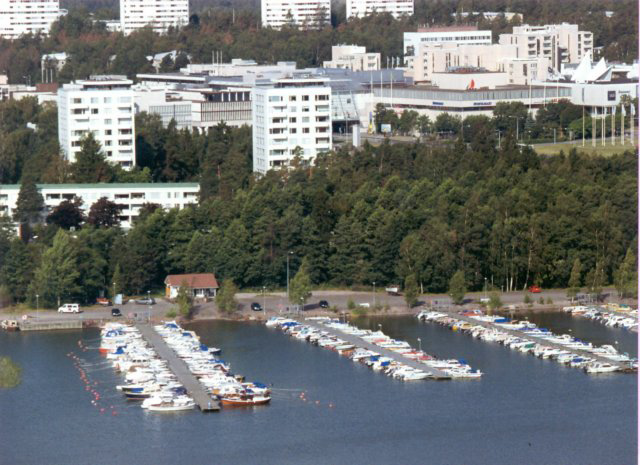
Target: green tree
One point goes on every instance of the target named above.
(575, 279)
(226, 298)
(457, 287)
(494, 303)
(30, 203)
(300, 287)
(57, 277)
(411, 290)
(90, 165)
(184, 300)
(17, 270)
(10, 373)
(626, 277)
(104, 213)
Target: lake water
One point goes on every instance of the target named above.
(523, 411)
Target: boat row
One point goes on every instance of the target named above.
(526, 337)
(147, 377)
(213, 373)
(406, 364)
(603, 314)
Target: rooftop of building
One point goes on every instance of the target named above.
(115, 185)
(448, 29)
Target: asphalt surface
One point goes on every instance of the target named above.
(277, 303)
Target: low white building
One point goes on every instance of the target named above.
(20, 17)
(302, 13)
(353, 57)
(291, 117)
(102, 105)
(160, 15)
(130, 196)
(362, 8)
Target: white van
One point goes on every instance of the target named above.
(69, 308)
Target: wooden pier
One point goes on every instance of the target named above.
(359, 342)
(196, 390)
(523, 335)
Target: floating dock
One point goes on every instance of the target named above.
(523, 335)
(195, 389)
(358, 342)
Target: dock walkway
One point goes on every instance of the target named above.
(178, 366)
(359, 342)
(46, 325)
(537, 340)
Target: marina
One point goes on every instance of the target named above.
(375, 349)
(614, 316)
(526, 337)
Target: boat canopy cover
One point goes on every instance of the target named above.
(203, 347)
(186, 334)
(171, 325)
(259, 385)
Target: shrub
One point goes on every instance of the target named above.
(351, 304)
(172, 313)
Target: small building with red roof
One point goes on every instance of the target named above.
(201, 285)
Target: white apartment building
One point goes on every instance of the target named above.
(561, 43)
(130, 197)
(352, 57)
(104, 106)
(159, 14)
(362, 8)
(463, 35)
(18, 17)
(305, 13)
(291, 116)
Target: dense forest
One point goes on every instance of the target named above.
(237, 34)
(375, 214)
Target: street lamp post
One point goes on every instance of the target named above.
(114, 293)
(374, 294)
(37, 304)
(420, 344)
(264, 301)
(289, 253)
(379, 327)
(485, 288)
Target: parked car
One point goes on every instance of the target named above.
(103, 301)
(323, 304)
(364, 304)
(145, 301)
(535, 289)
(69, 308)
(115, 312)
(256, 307)
(393, 290)
(484, 300)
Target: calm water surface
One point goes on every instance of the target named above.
(523, 411)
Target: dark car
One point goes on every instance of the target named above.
(256, 307)
(323, 304)
(115, 312)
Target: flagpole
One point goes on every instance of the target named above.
(593, 126)
(582, 124)
(622, 115)
(613, 126)
(604, 117)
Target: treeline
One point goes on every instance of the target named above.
(236, 32)
(387, 214)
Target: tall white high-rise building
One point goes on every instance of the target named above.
(361, 8)
(302, 13)
(104, 106)
(18, 17)
(291, 117)
(159, 14)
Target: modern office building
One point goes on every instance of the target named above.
(560, 43)
(352, 57)
(302, 13)
(104, 106)
(19, 17)
(291, 117)
(462, 35)
(130, 197)
(158, 14)
(362, 8)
